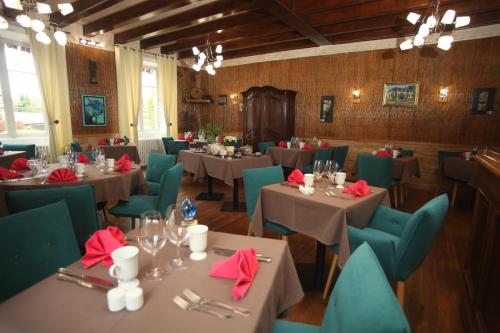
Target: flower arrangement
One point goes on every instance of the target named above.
(212, 131)
(230, 140)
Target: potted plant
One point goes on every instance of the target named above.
(230, 142)
(212, 131)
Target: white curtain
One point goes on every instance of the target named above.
(50, 64)
(167, 91)
(128, 76)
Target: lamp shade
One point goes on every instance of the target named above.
(43, 8)
(14, 4)
(196, 67)
(219, 57)
(24, 20)
(196, 51)
(424, 30)
(42, 38)
(37, 25)
(431, 21)
(448, 17)
(419, 41)
(462, 21)
(218, 49)
(60, 37)
(217, 64)
(65, 8)
(413, 18)
(406, 45)
(3, 23)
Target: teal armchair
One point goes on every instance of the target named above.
(137, 204)
(165, 141)
(254, 180)
(340, 154)
(175, 146)
(322, 154)
(264, 145)
(157, 165)
(362, 301)
(75, 146)
(79, 199)
(377, 171)
(33, 245)
(29, 149)
(401, 241)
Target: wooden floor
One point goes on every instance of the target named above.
(434, 292)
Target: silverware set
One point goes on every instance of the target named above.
(198, 303)
(332, 194)
(229, 252)
(87, 281)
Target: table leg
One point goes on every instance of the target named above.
(235, 205)
(319, 266)
(210, 195)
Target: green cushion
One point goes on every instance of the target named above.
(33, 245)
(284, 326)
(153, 188)
(175, 146)
(80, 200)
(389, 220)
(377, 171)
(165, 141)
(340, 154)
(135, 206)
(158, 164)
(264, 145)
(29, 149)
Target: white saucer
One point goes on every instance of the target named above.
(339, 186)
(129, 284)
(197, 256)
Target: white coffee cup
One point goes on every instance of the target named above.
(309, 180)
(198, 241)
(110, 163)
(468, 155)
(319, 143)
(340, 179)
(288, 145)
(134, 299)
(301, 144)
(111, 141)
(80, 169)
(395, 153)
(126, 266)
(116, 299)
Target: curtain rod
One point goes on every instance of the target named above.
(151, 53)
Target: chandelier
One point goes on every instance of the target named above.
(208, 59)
(35, 15)
(432, 25)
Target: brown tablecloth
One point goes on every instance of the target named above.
(404, 168)
(291, 158)
(319, 216)
(227, 170)
(56, 306)
(193, 163)
(117, 151)
(9, 156)
(460, 169)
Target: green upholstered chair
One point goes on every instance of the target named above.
(238, 144)
(441, 155)
(157, 165)
(29, 149)
(322, 154)
(377, 171)
(400, 240)
(406, 153)
(75, 146)
(33, 245)
(340, 154)
(137, 204)
(253, 180)
(165, 141)
(80, 201)
(362, 301)
(264, 145)
(175, 146)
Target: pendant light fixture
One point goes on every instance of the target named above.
(208, 59)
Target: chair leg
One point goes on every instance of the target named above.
(401, 194)
(454, 194)
(395, 196)
(330, 276)
(105, 215)
(249, 230)
(401, 293)
(133, 223)
(285, 238)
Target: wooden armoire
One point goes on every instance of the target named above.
(268, 115)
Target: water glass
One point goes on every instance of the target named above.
(152, 238)
(177, 234)
(318, 169)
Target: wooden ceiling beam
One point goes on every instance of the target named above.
(312, 7)
(139, 12)
(285, 15)
(81, 9)
(269, 49)
(184, 18)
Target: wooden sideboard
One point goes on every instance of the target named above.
(482, 269)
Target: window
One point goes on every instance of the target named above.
(21, 106)
(151, 119)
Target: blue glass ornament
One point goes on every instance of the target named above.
(187, 210)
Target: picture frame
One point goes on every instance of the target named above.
(326, 109)
(223, 100)
(400, 94)
(483, 101)
(94, 110)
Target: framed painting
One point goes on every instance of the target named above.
(223, 100)
(326, 111)
(401, 94)
(483, 100)
(94, 110)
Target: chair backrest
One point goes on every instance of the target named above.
(175, 146)
(169, 187)
(165, 141)
(264, 145)
(406, 153)
(323, 154)
(33, 245)
(157, 165)
(377, 171)
(441, 155)
(80, 200)
(418, 235)
(238, 144)
(28, 148)
(75, 146)
(254, 179)
(362, 299)
(340, 154)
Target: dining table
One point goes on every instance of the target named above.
(461, 170)
(9, 156)
(294, 158)
(58, 306)
(117, 151)
(404, 168)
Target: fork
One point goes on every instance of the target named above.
(185, 305)
(196, 299)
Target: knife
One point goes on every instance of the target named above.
(16, 179)
(87, 278)
(229, 252)
(80, 282)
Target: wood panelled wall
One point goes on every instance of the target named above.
(77, 58)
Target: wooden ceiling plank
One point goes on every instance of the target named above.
(295, 45)
(81, 9)
(284, 14)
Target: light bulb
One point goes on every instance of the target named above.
(413, 18)
(448, 17)
(60, 37)
(24, 20)
(419, 41)
(448, 39)
(209, 67)
(43, 8)
(14, 4)
(65, 8)
(406, 45)
(217, 64)
(37, 25)
(431, 21)
(211, 71)
(3, 23)
(444, 46)
(202, 55)
(196, 67)
(462, 21)
(42, 38)
(423, 31)
(218, 49)
(200, 61)
(196, 51)
(219, 57)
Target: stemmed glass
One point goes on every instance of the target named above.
(177, 233)
(152, 238)
(318, 169)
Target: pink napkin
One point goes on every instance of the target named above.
(62, 175)
(103, 142)
(100, 245)
(383, 153)
(308, 146)
(122, 159)
(20, 163)
(324, 145)
(358, 189)
(125, 166)
(242, 266)
(8, 174)
(82, 158)
(282, 144)
(296, 177)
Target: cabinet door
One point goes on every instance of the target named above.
(273, 117)
(251, 120)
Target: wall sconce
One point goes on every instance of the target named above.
(356, 96)
(234, 99)
(443, 94)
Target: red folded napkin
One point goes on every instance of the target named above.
(62, 175)
(308, 146)
(189, 139)
(125, 166)
(103, 142)
(117, 141)
(296, 177)
(383, 153)
(20, 163)
(100, 245)
(242, 266)
(181, 136)
(82, 158)
(324, 145)
(282, 144)
(358, 189)
(9, 174)
(122, 159)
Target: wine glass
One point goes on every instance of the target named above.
(177, 233)
(318, 170)
(152, 238)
